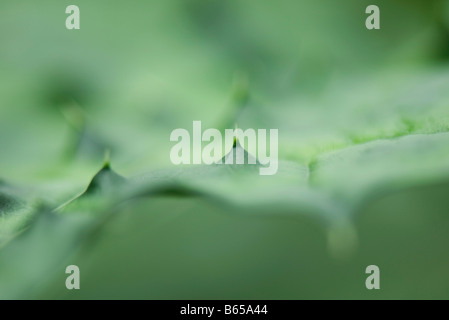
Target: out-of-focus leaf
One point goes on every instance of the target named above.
(363, 123)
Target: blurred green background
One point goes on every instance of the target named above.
(363, 119)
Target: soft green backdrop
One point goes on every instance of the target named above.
(363, 119)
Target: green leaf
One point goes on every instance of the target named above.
(363, 166)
